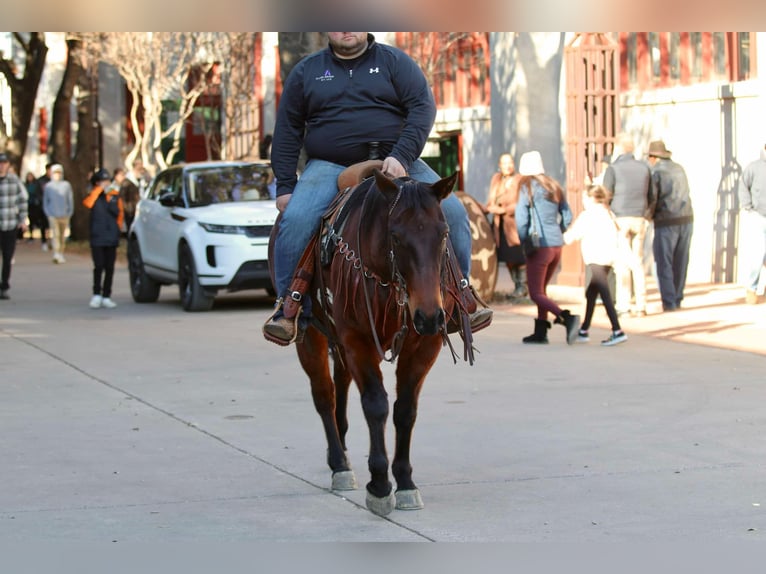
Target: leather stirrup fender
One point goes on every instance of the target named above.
(301, 283)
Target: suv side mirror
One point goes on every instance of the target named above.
(168, 199)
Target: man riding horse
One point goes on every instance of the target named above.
(336, 103)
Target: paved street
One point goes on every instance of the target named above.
(145, 423)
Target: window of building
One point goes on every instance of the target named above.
(663, 59)
(675, 62)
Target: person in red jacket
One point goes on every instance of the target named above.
(106, 217)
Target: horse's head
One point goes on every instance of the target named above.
(417, 240)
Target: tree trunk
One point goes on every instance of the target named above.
(77, 167)
(23, 93)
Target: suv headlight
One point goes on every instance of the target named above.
(230, 229)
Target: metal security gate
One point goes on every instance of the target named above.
(592, 90)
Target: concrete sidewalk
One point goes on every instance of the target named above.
(151, 425)
(714, 315)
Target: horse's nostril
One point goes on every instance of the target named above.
(428, 325)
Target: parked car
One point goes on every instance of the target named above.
(204, 226)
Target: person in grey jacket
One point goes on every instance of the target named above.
(629, 181)
(673, 223)
(752, 205)
(552, 216)
(58, 205)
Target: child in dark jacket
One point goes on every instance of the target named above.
(106, 217)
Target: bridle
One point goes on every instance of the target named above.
(397, 281)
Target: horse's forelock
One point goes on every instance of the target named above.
(414, 195)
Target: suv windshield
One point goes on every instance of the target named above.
(226, 184)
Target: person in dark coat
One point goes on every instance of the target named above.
(673, 222)
(106, 218)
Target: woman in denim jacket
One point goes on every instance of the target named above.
(552, 219)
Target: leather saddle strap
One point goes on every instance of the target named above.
(302, 278)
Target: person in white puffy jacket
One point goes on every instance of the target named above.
(600, 239)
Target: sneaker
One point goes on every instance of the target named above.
(108, 303)
(45, 247)
(582, 336)
(61, 259)
(95, 301)
(615, 338)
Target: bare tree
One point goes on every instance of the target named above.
(442, 54)
(23, 92)
(295, 45)
(240, 103)
(156, 67)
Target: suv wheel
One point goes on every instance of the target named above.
(143, 288)
(193, 295)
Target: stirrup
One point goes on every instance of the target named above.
(298, 332)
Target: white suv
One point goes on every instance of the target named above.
(203, 226)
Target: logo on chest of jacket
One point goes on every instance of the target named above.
(326, 77)
(375, 70)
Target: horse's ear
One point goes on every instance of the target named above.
(385, 185)
(444, 186)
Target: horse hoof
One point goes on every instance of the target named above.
(408, 500)
(343, 480)
(381, 506)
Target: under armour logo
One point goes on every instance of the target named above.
(374, 70)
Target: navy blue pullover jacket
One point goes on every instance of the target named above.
(343, 105)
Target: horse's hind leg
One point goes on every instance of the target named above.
(313, 355)
(410, 375)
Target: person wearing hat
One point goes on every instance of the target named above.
(543, 204)
(106, 217)
(13, 217)
(58, 204)
(673, 223)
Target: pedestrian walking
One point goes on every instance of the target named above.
(600, 239)
(628, 180)
(543, 206)
(58, 205)
(106, 218)
(752, 206)
(13, 219)
(673, 223)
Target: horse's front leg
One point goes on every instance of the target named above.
(365, 369)
(314, 359)
(411, 371)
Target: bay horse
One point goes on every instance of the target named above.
(380, 290)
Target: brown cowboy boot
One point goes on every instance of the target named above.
(479, 318)
(280, 328)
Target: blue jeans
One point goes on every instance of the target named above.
(314, 192)
(671, 255)
(753, 253)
